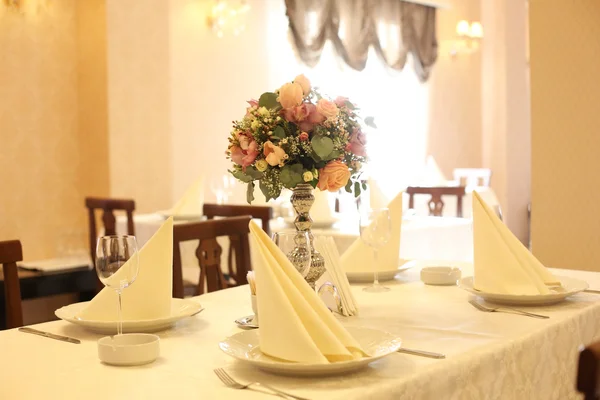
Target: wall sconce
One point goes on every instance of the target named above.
(227, 16)
(469, 37)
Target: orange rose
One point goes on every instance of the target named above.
(333, 176)
(273, 154)
(290, 95)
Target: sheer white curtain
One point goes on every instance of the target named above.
(397, 100)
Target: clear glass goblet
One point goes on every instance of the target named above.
(375, 231)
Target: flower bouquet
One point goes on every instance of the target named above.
(296, 136)
(297, 139)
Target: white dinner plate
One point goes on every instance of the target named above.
(570, 286)
(367, 276)
(244, 346)
(180, 308)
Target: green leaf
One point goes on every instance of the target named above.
(254, 173)
(356, 189)
(322, 145)
(291, 175)
(279, 132)
(239, 174)
(364, 185)
(268, 100)
(333, 155)
(370, 121)
(250, 193)
(348, 187)
(265, 191)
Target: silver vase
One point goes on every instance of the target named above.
(302, 200)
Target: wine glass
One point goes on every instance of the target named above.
(296, 246)
(117, 265)
(375, 231)
(223, 187)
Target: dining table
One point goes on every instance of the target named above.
(488, 355)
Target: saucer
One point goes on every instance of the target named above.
(246, 322)
(440, 275)
(129, 349)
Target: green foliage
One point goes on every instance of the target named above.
(268, 100)
(322, 146)
(279, 132)
(291, 175)
(270, 192)
(370, 121)
(239, 174)
(254, 173)
(250, 193)
(356, 189)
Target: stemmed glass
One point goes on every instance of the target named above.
(296, 246)
(375, 231)
(223, 187)
(117, 265)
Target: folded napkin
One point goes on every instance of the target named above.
(295, 325)
(377, 197)
(192, 202)
(432, 174)
(359, 256)
(502, 263)
(335, 273)
(149, 297)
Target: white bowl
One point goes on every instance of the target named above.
(129, 349)
(440, 275)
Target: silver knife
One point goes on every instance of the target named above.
(421, 353)
(50, 335)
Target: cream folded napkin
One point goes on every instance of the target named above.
(377, 198)
(502, 263)
(295, 325)
(359, 256)
(335, 273)
(149, 297)
(192, 202)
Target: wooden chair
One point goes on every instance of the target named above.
(436, 205)
(108, 207)
(10, 254)
(472, 176)
(209, 252)
(264, 213)
(588, 372)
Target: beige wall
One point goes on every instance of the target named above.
(454, 138)
(565, 90)
(41, 200)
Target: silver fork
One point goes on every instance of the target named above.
(232, 383)
(481, 307)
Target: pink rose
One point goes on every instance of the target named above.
(297, 114)
(341, 101)
(304, 83)
(246, 152)
(273, 154)
(305, 116)
(303, 136)
(358, 143)
(333, 176)
(290, 95)
(327, 108)
(313, 116)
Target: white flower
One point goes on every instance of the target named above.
(307, 176)
(262, 165)
(255, 125)
(263, 111)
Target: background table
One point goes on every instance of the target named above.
(489, 355)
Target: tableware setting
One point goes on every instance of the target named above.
(440, 275)
(298, 335)
(505, 271)
(149, 303)
(129, 349)
(359, 259)
(49, 335)
(250, 321)
(485, 308)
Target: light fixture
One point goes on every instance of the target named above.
(228, 16)
(469, 37)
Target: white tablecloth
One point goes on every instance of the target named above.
(440, 238)
(489, 355)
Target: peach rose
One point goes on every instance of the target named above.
(246, 157)
(333, 176)
(327, 108)
(290, 95)
(304, 82)
(314, 117)
(273, 154)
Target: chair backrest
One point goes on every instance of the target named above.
(588, 372)
(10, 254)
(436, 204)
(472, 176)
(264, 213)
(108, 207)
(209, 252)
